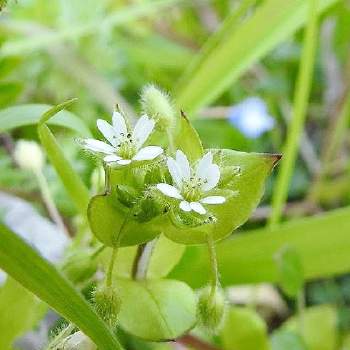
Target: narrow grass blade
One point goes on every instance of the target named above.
(272, 23)
(26, 266)
(295, 129)
(250, 257)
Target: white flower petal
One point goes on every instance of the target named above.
(148, 153)
(98, 146)
(203, 165)
(169, 190)
(185, 206)
(108, 132)
(143, 129)
(175, 171)
(212, 177)
(124, 161)
(119, 124)
(111, 158)
(213, 200)
(198, 208)
(183, 164)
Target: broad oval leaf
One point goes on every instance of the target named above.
(113, 225)
(244, 329)
(156, 310)
(27, 267)
(319, 327)
(30, 114)
(254, 169)
(287, 340)
(20, 311)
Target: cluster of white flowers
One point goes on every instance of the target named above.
(190, 184)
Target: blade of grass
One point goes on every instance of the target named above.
(250, 257)
(72, 182)
(27, 267)
(272, 23)
(295, 128)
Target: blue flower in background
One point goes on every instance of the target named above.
(251, 117)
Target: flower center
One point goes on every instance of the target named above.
(126, 147)
(192, 189)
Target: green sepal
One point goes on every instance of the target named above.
(242, 192)
(187, 140)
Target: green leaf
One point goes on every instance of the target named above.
(320, 327)
(253, 253)
(75, 187)
(250, 183)
(238, 50)
(112, 223)
(244, 329)
(29, 114)
(37, 275)
(291, 272)
(188, 141)
(9, 92)
(287, 340)
(20, 311)
(156, 310)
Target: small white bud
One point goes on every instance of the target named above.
(29, 155)
(79, 341)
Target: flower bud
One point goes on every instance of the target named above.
(78, 341)
(29, 156)
(211, 308)
(107, 304)
(157, 105)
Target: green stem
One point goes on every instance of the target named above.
(302, 92)
(301, 312)
(109, 277)
(50, 204)
(171, 142)
(213, 265)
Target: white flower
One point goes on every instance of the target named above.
(190, 185)
(124, 146)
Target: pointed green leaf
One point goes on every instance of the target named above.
(54, 110)
(36, 274)
(250, 183)
(156, 310)
(30, 114)
(110, 222)
(244, 329)
(291, 271)
(71, 180)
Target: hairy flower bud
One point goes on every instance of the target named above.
(78, 341)
(211, 308)
(29, 155)
(157, 105)
(107, 304)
